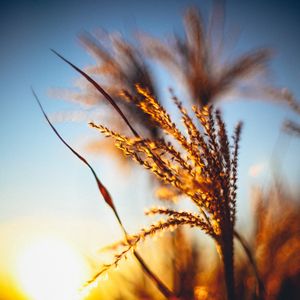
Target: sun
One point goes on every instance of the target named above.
(51, 269)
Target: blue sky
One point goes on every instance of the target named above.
(39, 176)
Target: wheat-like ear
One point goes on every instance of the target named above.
(184, 216)
(174, 220)
(200, 166)
(234, 170)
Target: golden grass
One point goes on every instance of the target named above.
(203, 169)
(199, 163)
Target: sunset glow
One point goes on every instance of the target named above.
(49, 269)
(150, 150)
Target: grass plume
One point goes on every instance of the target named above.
(195, 63)
(201, 167)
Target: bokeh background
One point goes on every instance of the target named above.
(44, 190)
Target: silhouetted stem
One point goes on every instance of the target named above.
(227, 257)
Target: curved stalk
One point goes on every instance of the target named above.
(105, 194)
(246, 248)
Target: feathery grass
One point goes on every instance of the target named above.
(200, 166)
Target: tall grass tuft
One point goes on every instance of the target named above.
(200, 166)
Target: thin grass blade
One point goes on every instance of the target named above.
(101, 90)
(104, 192)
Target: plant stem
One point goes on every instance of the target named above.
(226, 252)
(162, 287)
(228, 272)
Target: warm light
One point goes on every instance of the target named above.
(50, 269)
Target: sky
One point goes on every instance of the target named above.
(43, 184)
